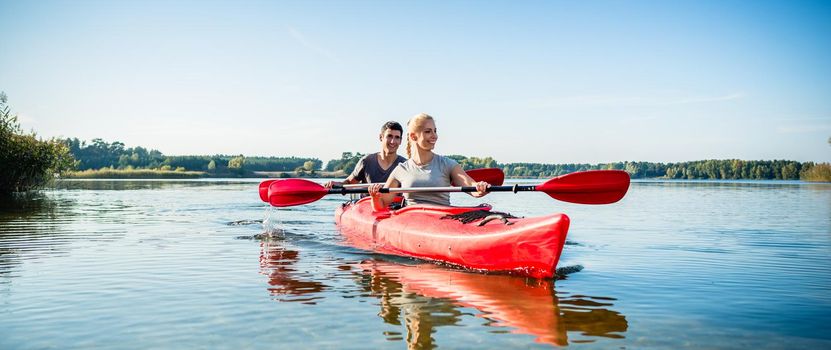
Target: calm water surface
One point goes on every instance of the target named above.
(205, 264)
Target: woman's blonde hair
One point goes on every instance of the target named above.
(416, 124)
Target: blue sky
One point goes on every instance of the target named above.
(549, 81)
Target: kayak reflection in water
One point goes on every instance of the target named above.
(427, 296)
(377, 167)
(278, 263)
(424, 169)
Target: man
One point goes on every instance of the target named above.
(377, 167)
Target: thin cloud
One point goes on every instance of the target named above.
(728, 97)
(297, 35)
(633, 101)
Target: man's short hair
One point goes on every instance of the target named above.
(391, 125)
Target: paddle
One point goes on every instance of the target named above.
(586, 187)
(493, 176)
(264, 189)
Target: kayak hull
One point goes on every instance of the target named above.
(523, 246)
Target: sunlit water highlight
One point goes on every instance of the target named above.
(205, 264)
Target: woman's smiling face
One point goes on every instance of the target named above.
(426, 137)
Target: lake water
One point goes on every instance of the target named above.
(206, 264)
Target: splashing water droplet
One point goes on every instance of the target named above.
(272, 224)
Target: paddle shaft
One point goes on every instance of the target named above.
(494, 176)
(586, 187)
(514, 188)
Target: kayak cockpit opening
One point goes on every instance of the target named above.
(480, 214)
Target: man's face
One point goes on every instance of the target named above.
(391, 139)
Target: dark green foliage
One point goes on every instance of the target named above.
(27, 162)
(107, 173)
(544, 170)
(729, 169)
(279, 163)
(100, 154)
(193, 162)
(346, 162)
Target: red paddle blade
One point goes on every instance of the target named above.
(291, 192)
(588, 187)
(493, 176)
(264, 189)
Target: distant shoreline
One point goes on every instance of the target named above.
(173, 174)
(143, 174)
(821, 174)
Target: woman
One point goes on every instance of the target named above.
(424, 169)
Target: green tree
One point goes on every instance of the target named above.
(212, 166)
(790, 172)
(347, 162)
(236, 163)
(123, 161)
(27, 162)
(278, 163)
(99, 154)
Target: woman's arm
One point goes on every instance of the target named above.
(381, 201)
(460, 178)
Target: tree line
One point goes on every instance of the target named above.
(714, 169)
(100, 154)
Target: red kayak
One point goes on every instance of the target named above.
(522, 246)
(470, 237)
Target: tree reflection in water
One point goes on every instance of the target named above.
(427, 296)
(286, 284)
(33, 226)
